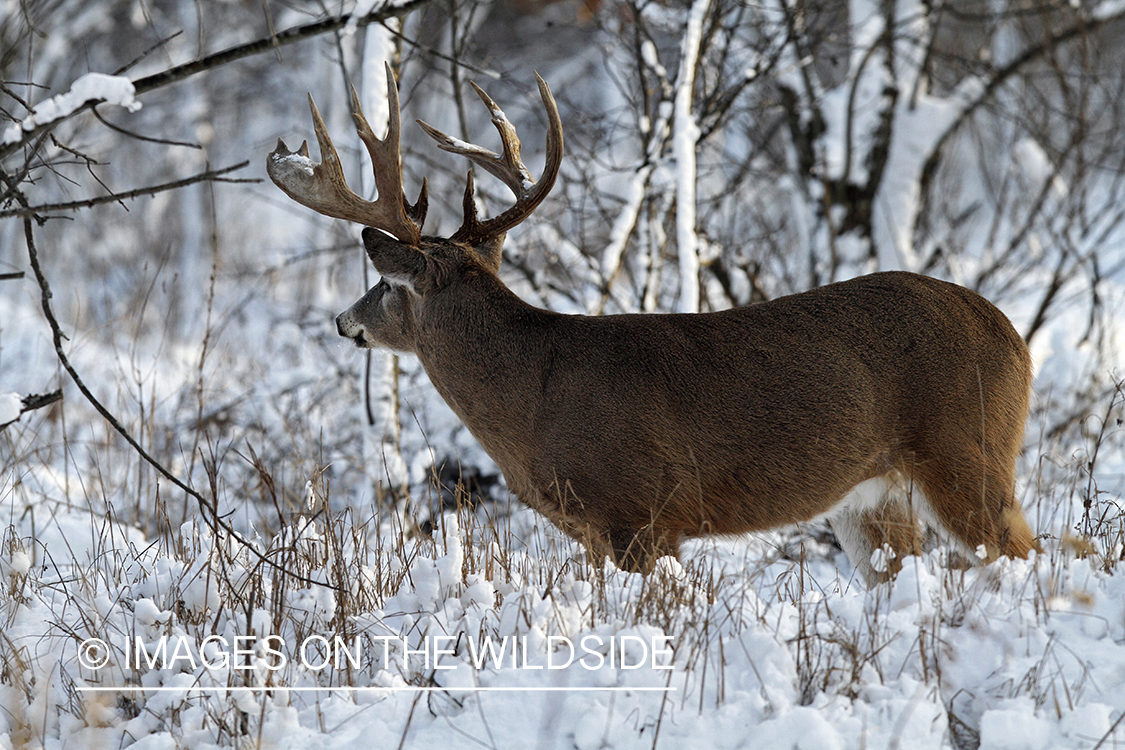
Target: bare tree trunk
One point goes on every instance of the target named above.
(382, 372)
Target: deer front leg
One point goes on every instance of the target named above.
(637, 550)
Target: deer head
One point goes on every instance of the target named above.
(414, 266)
(876, 402)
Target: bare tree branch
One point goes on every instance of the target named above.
(157, 45)
(238, 52)
(213, 175)
(139, 137)
(999, 78)
(266, 44)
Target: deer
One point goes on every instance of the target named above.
(887, 403)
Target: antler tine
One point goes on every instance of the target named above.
(386, 153)
(322, 187)
(507, 167)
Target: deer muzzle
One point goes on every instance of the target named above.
(355, 323)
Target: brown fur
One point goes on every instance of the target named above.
(631, 432)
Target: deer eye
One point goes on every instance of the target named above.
(399, 281)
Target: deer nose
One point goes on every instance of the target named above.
(347, 327)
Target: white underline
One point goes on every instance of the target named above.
(405, 688)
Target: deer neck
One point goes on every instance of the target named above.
(484, 350)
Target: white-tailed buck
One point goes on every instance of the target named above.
(878, 402)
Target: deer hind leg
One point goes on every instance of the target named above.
(877, 515)
(974, 500)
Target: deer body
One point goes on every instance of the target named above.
(879, 402)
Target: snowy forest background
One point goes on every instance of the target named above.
(718, 153)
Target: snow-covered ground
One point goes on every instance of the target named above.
(203, 318)
(486, 639)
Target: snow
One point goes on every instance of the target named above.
(293, 163)
(720, 670)
(496, 630)
(92, 87)
(1014, 728)
(10, 407)
(1035, 169)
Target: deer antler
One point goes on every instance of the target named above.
(508, 167)
(322, 187)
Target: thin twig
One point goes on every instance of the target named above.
(433, 51)
(13, 181)
(212, 175)
(138, 136)
(1109, 731)
(156, 45)
(58, 336)
(88, 160)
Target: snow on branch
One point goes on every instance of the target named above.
(92, 88)
(13, 406)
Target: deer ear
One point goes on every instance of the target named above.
(400, 264)
(491, 251)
